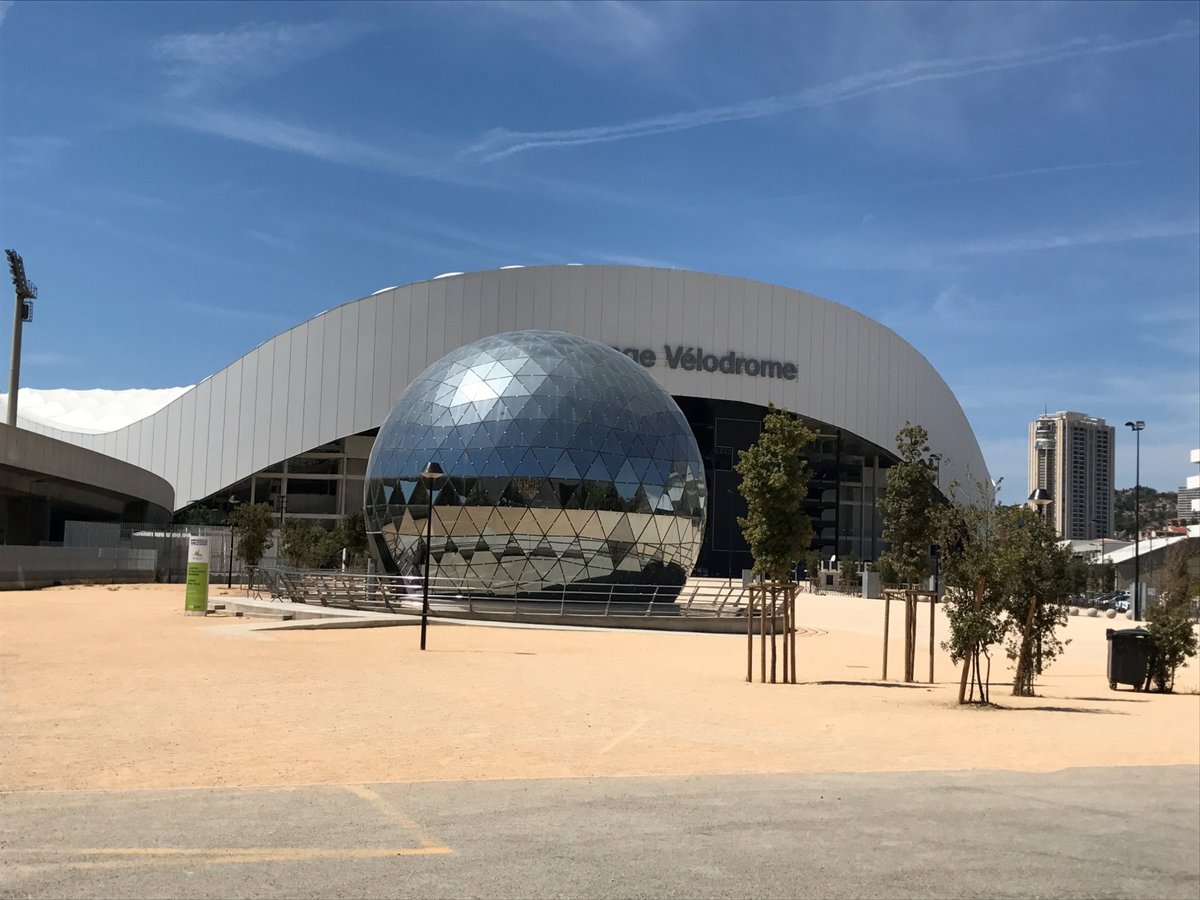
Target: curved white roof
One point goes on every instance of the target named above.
(339, 373)
(93, 411)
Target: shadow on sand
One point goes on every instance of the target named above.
(880, 684)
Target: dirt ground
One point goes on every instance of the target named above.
(116, 688)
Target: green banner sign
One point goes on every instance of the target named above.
(195, 601)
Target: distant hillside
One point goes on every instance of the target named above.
(1157, 508)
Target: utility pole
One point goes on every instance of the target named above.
(26, 292)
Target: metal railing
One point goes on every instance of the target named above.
(699, 598)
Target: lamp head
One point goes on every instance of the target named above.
(432, 474)
(1039, 497)
(1136, 426)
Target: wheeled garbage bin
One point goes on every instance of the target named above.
(1129, 652)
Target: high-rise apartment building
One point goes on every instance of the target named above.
(1189, 495)
(1072, 455)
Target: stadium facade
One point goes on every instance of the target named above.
(293, 421)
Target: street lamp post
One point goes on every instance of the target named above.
(1137, 520)
(232, 503)
(432, 475)
(26, 292)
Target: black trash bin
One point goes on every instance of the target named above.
(1129, 652)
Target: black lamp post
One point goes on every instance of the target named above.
(233, 501)
(432, 475)
(1137, 520)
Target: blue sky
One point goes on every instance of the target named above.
(1014, 188)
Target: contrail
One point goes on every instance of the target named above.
(501, 142)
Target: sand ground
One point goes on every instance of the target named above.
(116, 688)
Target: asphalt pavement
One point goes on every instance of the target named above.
(1117, 832)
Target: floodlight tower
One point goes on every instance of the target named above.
(26, 294)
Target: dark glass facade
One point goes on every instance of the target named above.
(566, 462)
(846, 485)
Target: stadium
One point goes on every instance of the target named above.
(293, 421)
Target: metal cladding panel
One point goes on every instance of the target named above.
(347, 344)
(292, 396)
(593, 312)
(453, 335)
(574, 316)
(227, 419)
(489, 305)
(418, 332)
(435, 341)
(210, 433)
(240, 449)
(122, 449)
(271, 438)
(398, 362)
(182, 476)
(378, 389)
(472, 309)
(329, 332)
(314, 363)
(339, 373)
(173, 427)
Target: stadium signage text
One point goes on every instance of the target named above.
(695, 359)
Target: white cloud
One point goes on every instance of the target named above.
(502, 142)
(33, 151)
(238, 314)
(204, 62)
(271, 240)
(1048, 241)
(612, 24)
(5, 6)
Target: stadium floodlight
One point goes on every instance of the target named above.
(26, 292)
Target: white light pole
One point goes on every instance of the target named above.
(1137, 520)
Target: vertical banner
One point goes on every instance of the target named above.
(195, 601)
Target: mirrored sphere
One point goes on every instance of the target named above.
(564, 461)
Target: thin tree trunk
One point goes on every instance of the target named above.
(750, 638)
(1023, 683)
(887, 611)
(962, 687)
(932, 617)
(791, 599)
(762, 644)
(774, 620)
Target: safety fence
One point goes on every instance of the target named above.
(700, 598)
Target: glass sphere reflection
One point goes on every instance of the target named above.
(565, 462)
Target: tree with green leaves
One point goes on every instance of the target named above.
(200, 515)
(907, 505)
(848, 573)
(1171, 619)
(969, 570)
(309, 546)
(774, 484)
(1007, 581)
(252, 525)
(352, 534)
(1033, 571)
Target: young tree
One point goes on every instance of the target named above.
(352, 534)
(907, 505)
(1033, 573)
(964, 531)
(309, 546)
(252, 525)
(775, 483)
(1171, 619)
(848, 574)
